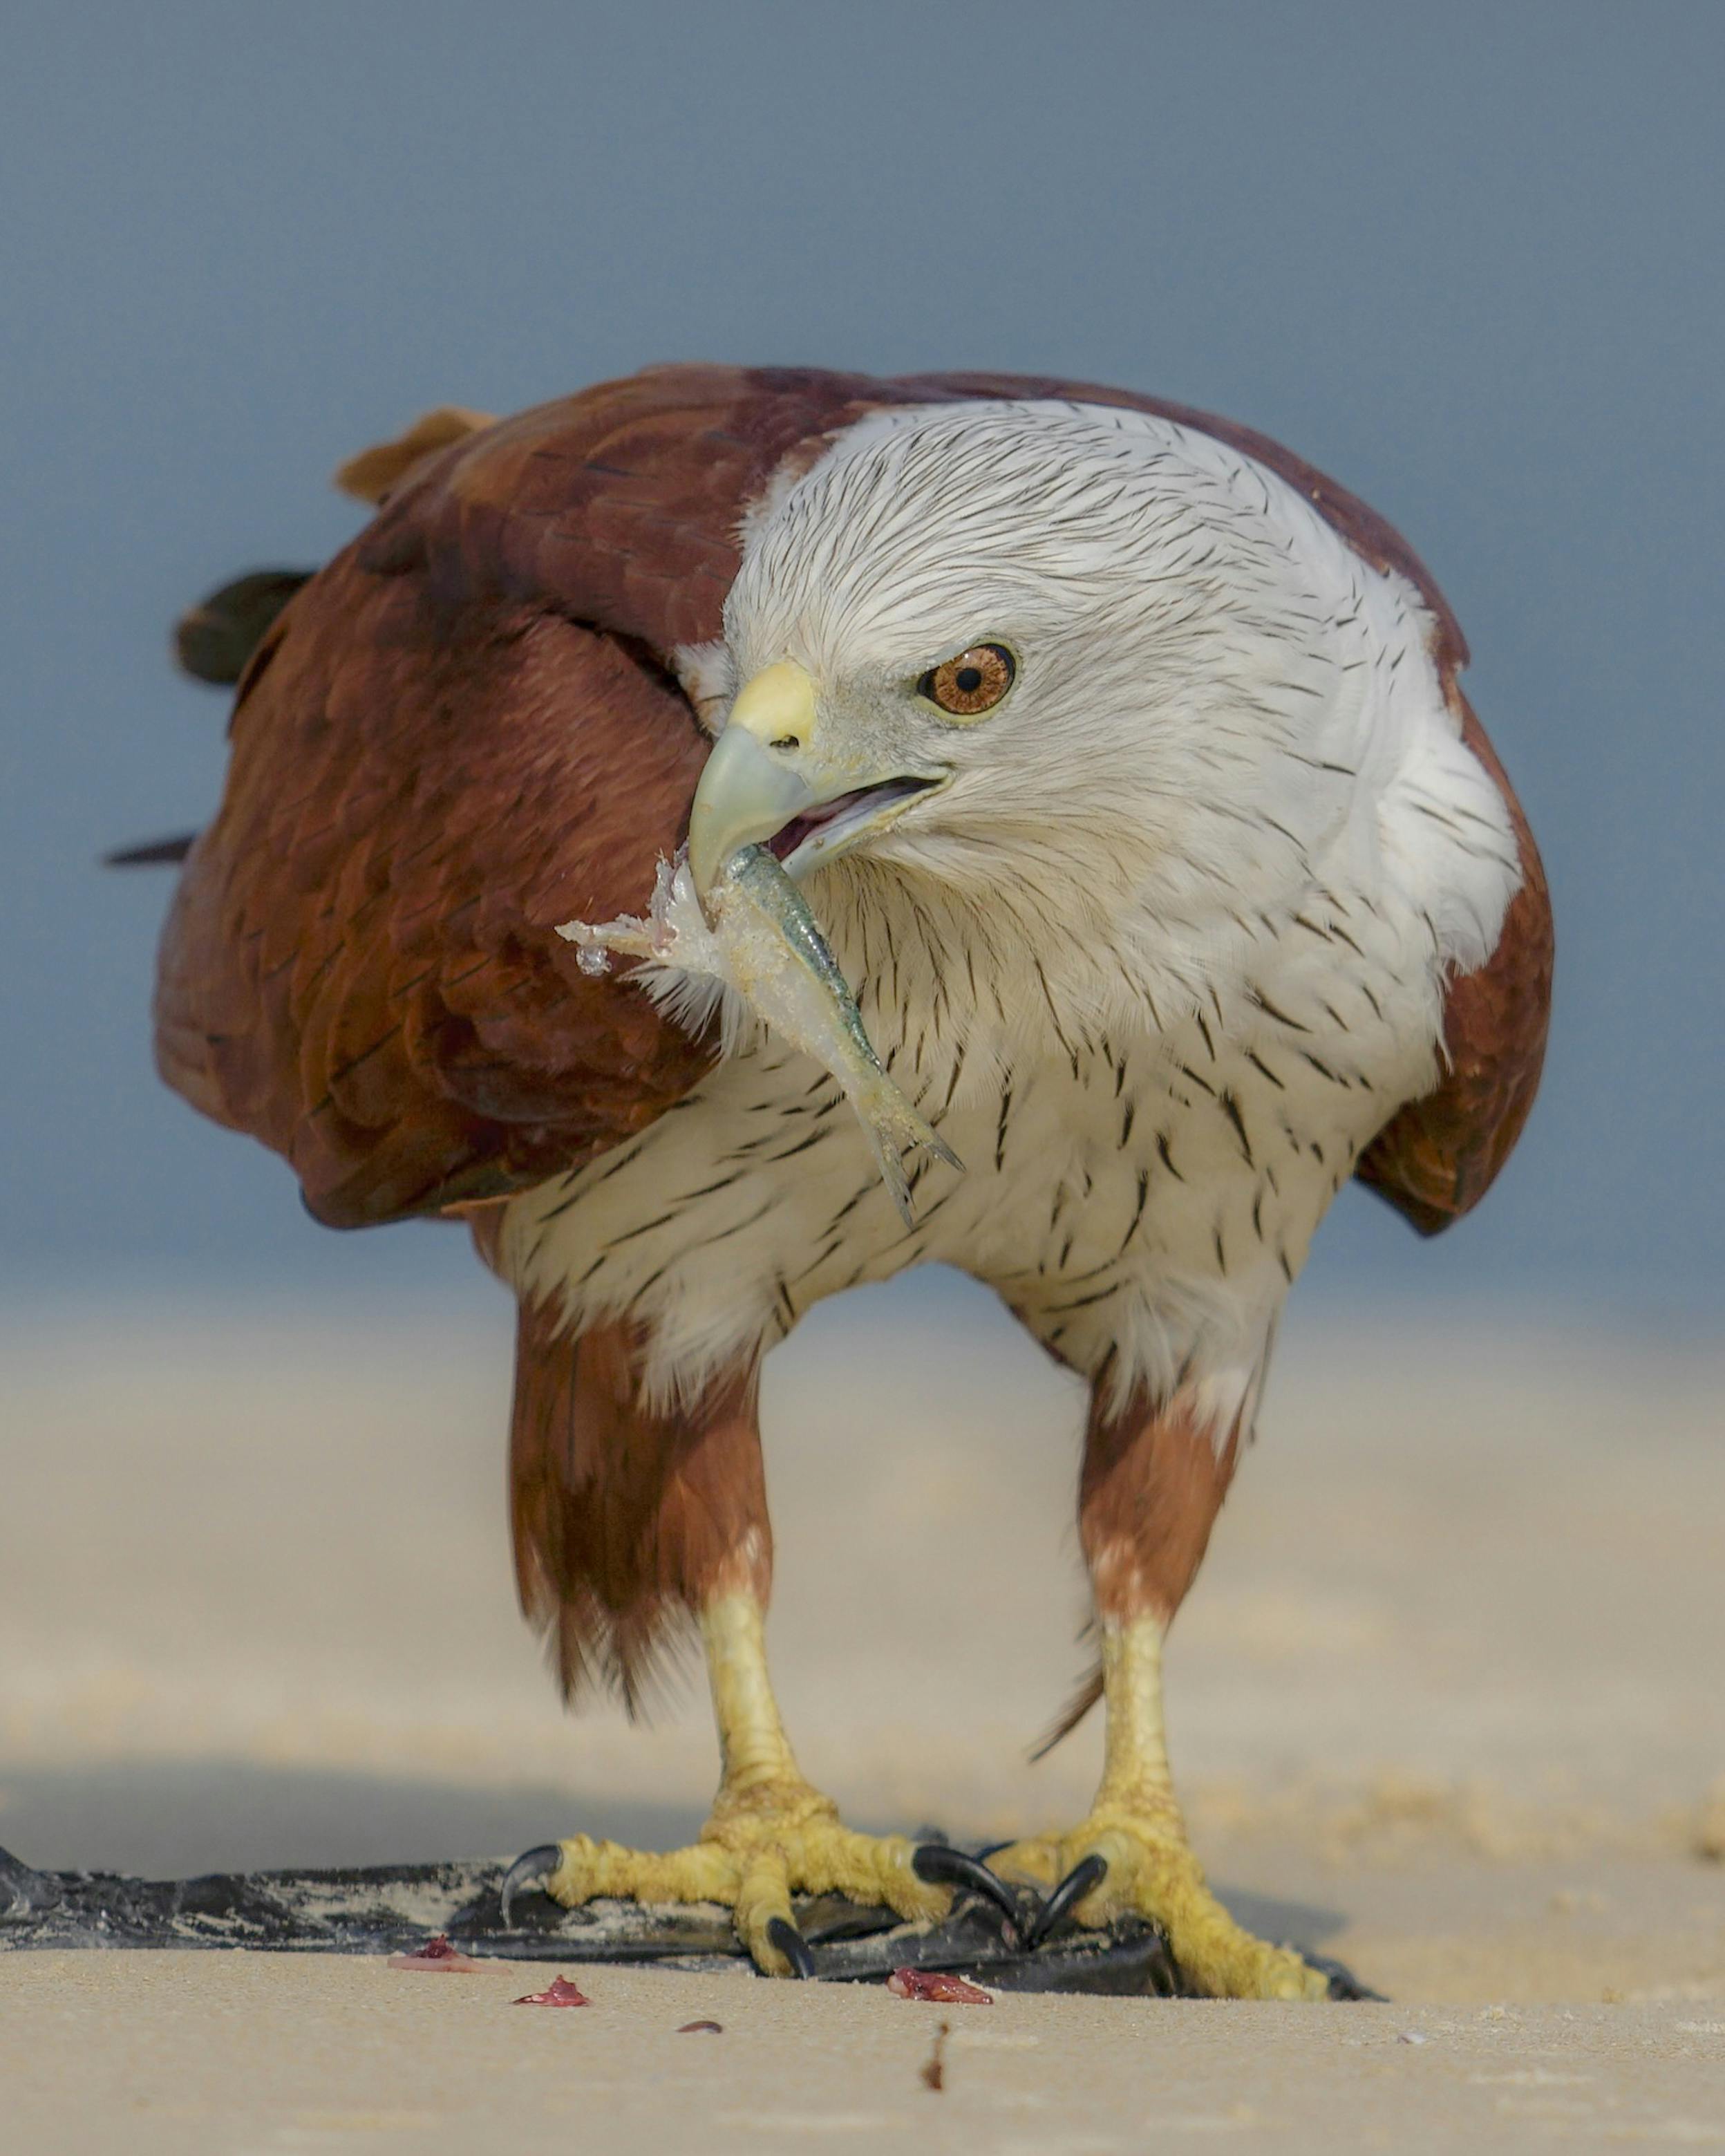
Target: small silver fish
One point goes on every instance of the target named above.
(759, 939)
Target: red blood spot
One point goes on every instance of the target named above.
(437, 1954)
(938, 1985)
(702, 2028)
(559, 1992)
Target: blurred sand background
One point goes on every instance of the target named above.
(1446, 1701)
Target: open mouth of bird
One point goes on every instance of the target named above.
(818, 833)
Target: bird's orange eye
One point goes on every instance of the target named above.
(972, 683)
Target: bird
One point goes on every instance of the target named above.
(1121, 758)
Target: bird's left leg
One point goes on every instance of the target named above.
(626, 1513)
(1154, 1481)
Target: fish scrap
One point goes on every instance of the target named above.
(437, 1956)
(939, 1986)
(559, 1992)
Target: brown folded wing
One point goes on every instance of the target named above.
(460, 733)
(464, 730)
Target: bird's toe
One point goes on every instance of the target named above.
(533, 1868)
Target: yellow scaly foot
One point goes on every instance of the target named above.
(753, 1854)
(1151, 1872)
(1135, 1828)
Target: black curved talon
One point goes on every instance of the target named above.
(533, 1868)
(940, 1866)
(1084, 1878)
(26, 1892)
(1343, 1983)
(791, 1943)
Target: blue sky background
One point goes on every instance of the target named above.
(1467, 259)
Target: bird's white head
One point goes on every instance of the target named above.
(1081, 648)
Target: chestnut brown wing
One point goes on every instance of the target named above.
(460, 733)
(361, 967)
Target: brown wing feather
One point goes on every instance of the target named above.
(462, 733)
(361, 967)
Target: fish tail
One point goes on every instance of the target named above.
(941, 1150)
(894, 1128)
(912, 1129)
(890, 1163)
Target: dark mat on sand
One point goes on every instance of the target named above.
(393, 1909)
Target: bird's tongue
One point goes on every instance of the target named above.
(785, 842)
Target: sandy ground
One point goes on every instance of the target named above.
(1447, 1702)
(252, 2053)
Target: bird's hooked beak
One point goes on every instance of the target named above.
(776, 777)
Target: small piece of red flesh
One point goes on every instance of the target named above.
(938, 1985)
(559, 1992)
(439, 1955)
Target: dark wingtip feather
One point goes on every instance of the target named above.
(213, 640)
(154, 853)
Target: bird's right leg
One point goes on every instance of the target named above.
(1154, 1477)
(626, 1512)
